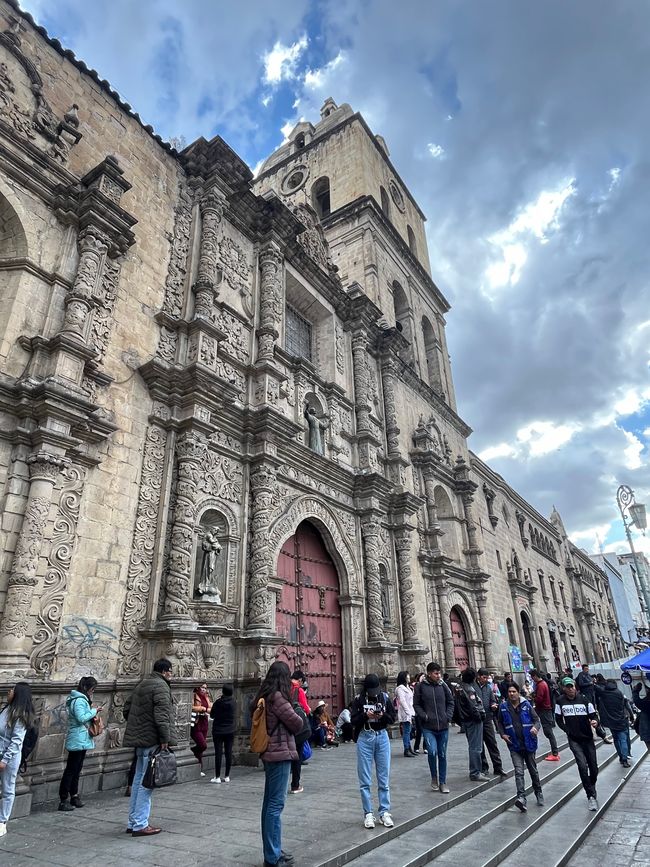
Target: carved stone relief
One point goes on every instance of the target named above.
(235, 342)
(59, 559)
(141, 559)
(180, 243)
(340, 349)
(103, 311)
(236, 267)
(263, 496)
(221, 477)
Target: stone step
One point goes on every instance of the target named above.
(451, 824)
(552, 837)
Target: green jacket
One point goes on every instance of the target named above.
(149, 713)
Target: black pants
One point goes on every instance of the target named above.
(222, 745)
(490, 741)
(69, 786)
(347, 732)
(547, 718)
(295, 773)
(585, 755)
(418, 734)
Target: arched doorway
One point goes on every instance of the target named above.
(308, 616)
(459, 636)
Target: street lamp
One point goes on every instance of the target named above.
(635, 517)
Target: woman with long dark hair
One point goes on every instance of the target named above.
(77, 742)
(199, 729)
(405, 711)
(16, 717)
(282, 723)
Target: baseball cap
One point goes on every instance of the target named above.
(568, 681)
(371, 685)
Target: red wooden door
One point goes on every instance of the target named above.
(308, 616)
(461, 654)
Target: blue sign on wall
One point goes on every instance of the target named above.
(515, 658)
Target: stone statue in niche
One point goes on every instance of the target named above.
(385, 603)
(208, 587)
(317, 427)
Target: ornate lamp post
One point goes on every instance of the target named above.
(635, 517)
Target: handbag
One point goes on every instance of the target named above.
(96, 726)
(161, 770)
(305, 751)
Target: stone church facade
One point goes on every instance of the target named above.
(228, 424)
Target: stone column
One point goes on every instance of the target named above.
(79, 300)
(360, 371)
(481, 599)
(390, 411)
(263, 483)
(445, 623)
(212, 206)
(15, 644)
(434, 530)
(191, 448)
(473, 546)
(405, 583)
(270, 259)
(370, 536)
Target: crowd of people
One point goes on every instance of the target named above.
(425, 706)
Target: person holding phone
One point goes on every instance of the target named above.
(77, 742)
(371, 713)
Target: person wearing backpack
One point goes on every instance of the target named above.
(471, 715)
(77, 742)
(434, 707)
(275, 723)
(371, 713)
(15, 718)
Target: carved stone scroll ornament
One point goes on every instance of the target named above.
(56, 577)
(270, 260)
(370, 534)
(191, 449)
(340, 349)
(43, 471)
(180, 245)
(405, 581)
(236, 269)
(263, 489)
(141, 559)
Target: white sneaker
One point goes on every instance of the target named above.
(215, 780)
(387, 820)
(592, 804)
(3, 829)
(226, 779)
(202, 774)
(369, 821)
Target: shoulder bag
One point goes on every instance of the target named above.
(161, 770)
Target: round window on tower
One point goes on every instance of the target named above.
(294, 180)
(396, 195)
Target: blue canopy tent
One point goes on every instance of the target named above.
(640, 662)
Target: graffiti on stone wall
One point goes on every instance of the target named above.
(87, 647)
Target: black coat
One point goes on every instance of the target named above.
(223, 716)
(611, 706)
(433, 705)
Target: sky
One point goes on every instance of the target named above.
(521, 129)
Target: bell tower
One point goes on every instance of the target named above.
(374, 228)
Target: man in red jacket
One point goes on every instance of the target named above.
(546, 712)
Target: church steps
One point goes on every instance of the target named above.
(459, 817)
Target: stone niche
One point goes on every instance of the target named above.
(211, 558)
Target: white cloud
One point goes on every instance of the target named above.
(543, 437)
(286, 129)
(535, 221)
(436, 150)
(632, 454)
(265, 100)
(503, 450)
(281, 61)
(316, 79)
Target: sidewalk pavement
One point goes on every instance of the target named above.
(219, 824)
(622, 837)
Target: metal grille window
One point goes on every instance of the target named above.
(297, 334)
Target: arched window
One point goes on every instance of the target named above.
(431, 354)
(511, 631)
(299, 141)
(542, 638)
(528, 634)
(412, 245)
(385, 203)
(320, 193)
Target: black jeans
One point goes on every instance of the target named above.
(585, 755)
(521, 760)
(418, 734)
(490, 741)
(295, 773)
(69, 786)
(222, 745)
(547, 718)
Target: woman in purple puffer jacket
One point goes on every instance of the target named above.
(282, 723)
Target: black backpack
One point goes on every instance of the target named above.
(29, 743)
(305, 732)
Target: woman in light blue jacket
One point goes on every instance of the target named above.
(15, 718)
(77, 741)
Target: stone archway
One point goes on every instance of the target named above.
(308, 615)
(459, 634)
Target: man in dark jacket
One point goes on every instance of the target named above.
(490, 706)
(546, 712)
(433, 703)
(585, 685)
(471, 715)
(577, 716)
(614, 714)
(149, 717)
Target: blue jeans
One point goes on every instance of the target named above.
(436, 746)
(474, 734)
(622, 744)
(276, 780)
(140, 803)
(374, 746)
(8, 788)
(406, 735)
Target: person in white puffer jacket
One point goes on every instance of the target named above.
(405, 712)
